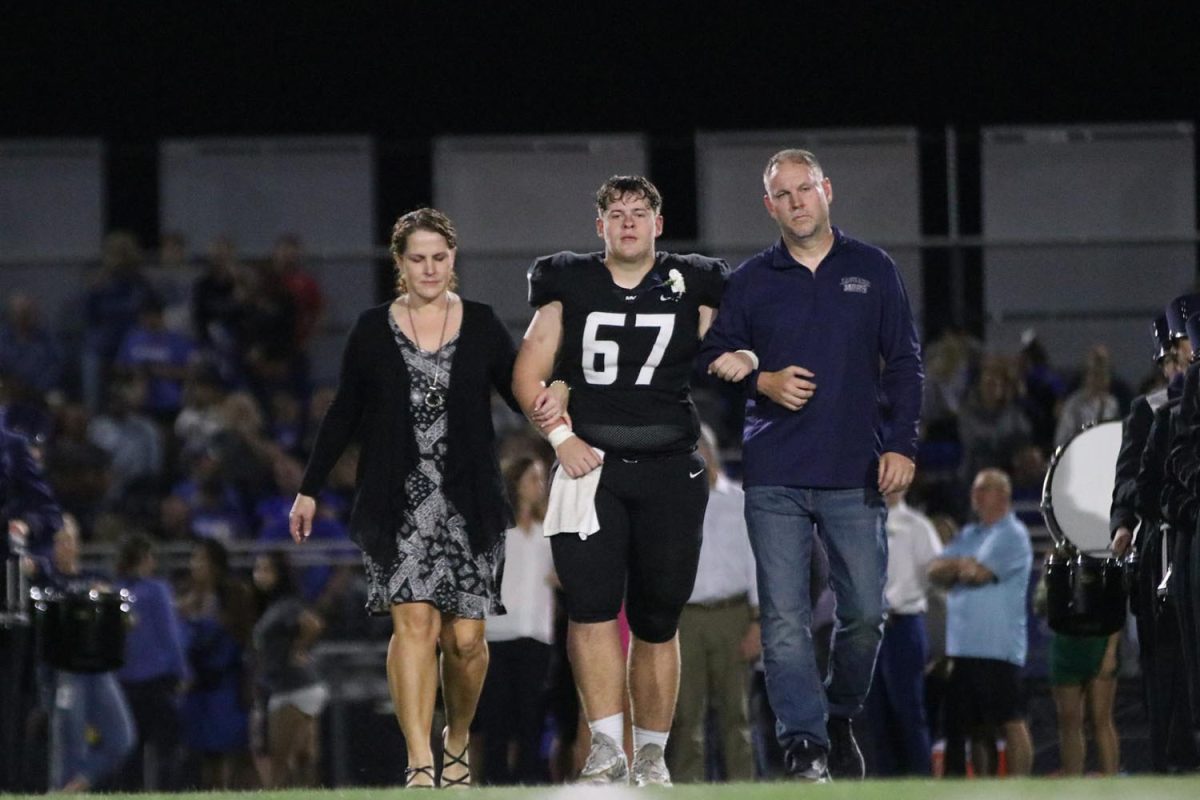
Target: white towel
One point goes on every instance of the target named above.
(572, 506)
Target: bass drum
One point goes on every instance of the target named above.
(81, 631)
(1085, 584)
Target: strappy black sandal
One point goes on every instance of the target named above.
(412, 772)
(451, 760)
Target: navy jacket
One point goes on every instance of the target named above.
(1181, 473)
(1135, 432)
(24, 494)
(850, 324)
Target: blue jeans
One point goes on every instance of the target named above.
(781, 521)
(82, 701)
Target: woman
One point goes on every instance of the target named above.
(155, 668)
(512, 708)
(429, 508)
(290, 694)
(991, 424)
(1083, 677)
(218, 612)
(1092, 402)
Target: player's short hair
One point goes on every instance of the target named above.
(992, 478)
(618, 186)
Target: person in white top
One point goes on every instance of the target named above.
(506, 735)
(719, 635)
(1093, 402)
(898, 742)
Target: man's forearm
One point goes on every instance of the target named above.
(944, 572)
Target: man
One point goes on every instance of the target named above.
(719, 635)
(1172, 748)
(31, 516)
(805, 325)
(986, 572)
(622, 328)
(287, 264)
(1124, 519)
(30, 356)
(1134, 432)
(896, 704)
(1181, 509)
(161, 357)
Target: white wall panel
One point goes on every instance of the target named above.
(51, 199)
(529, 193)
(320, 188)
(1072, 215)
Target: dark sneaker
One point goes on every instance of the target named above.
(845, 759)
(807, 762)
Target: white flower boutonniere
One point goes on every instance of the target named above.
(675, 283)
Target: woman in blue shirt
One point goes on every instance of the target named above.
(155, 668)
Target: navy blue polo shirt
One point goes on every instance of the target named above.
(849, 323)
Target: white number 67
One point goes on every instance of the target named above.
(609, 351)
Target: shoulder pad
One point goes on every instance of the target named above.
(699, 262)
(545, 281)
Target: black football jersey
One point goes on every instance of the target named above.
(627, 354)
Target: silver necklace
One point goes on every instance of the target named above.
(433, 397)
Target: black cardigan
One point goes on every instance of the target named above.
(372, 402)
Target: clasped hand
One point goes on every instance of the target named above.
(790, 387)
(550, 407)
(732, 367)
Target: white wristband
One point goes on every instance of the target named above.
(750, 354)
(559, 435)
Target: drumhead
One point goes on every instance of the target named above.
(1077, 494)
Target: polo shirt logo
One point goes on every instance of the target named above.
(860, 285)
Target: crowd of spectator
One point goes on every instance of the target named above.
(185, 407)
(185, 412)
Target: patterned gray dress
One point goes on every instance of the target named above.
(434, 562)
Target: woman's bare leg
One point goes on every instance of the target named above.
(1101, 693)
(413, 678)
(464, 666)
(1068, 702)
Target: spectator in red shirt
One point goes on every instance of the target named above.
(286, 262)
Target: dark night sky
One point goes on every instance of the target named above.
(132, 72)
(403, 72)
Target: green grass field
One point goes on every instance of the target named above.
(1031, 789)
